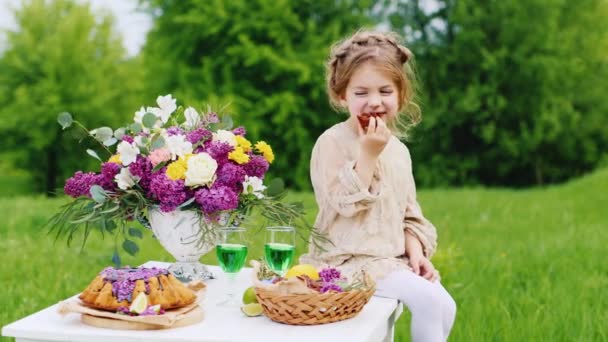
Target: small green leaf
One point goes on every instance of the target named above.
(93, 154)
(110, 226)
(110, 142)
(135, 128)
(227, 122)
(65, 120)
(159, 166)
(130, 247)
(103, 133)
(158, 142)
(275, 187)
(149, 120)
(136, 233)
(116, 259)
(186, 203)
(119, 133)
(98, 193)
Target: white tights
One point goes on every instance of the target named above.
(433, 309)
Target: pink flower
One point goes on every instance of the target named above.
(158, 156)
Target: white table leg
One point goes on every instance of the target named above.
(390, 331)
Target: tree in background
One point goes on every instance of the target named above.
(60, 58)
(514, 92)
(263, 58)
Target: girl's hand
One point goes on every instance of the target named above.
(419, 263)
(423, 267)
(374, 139)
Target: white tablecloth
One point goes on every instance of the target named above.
(374, 323)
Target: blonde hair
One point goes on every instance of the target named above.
(386, 52)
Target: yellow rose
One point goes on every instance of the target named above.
(238, 155)
(265, 150)
(243, 143)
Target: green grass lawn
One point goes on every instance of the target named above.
(523, 265)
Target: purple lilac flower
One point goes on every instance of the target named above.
(170, 193)
(127, 138)
(142, 167)
(330, 287)
(329, 275)
(174, 130)
(256, 167)
(232, 176)
(108, 172)
(219, 151)
(80, 184)
(239, 131)
(217, 198)
(211, 118)
(199, 134)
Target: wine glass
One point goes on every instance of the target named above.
(279, 248)
(231, 252)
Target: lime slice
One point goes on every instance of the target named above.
(155, 308)
(252, 310)
(140, 303)
(249, 296)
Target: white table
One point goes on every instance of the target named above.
(374, 323)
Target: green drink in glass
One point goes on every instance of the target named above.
(231, 252)
(280, 249)
(231, 257)
(279, 256)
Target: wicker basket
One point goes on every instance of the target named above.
(309, 309)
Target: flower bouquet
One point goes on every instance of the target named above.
(179, 172)
(306, 296)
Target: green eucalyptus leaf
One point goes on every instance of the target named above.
(116, 259)
(130, 247)
(275, 187)
(158, 142)
(135, 128)
(149, 120)
(110, 226)
(136, 233)
(98, 194)
(110, 142)
(65, 120)
(93, 154)
(103, 133)
(227, 122)
(119, 133)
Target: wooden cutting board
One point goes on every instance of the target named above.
(192, 317)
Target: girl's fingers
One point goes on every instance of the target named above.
(372, 125)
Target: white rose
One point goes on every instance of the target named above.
(139, 115)
(225, 136)
(253, 185)
(167, 106)
(201, 170)
(125, 179)
(128, 152)
(192, 117)
(177, 145)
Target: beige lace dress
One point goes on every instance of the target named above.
(367, 226)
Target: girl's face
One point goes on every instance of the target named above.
(371, 92)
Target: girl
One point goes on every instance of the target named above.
(362, 179)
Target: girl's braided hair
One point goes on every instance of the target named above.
(387, 53)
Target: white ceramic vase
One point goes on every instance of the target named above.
(179, 232)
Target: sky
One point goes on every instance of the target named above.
(132, 25)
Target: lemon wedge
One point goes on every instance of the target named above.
(140, 304)
(252, 310)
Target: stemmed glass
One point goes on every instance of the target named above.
(231, 251)
(279, 248)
